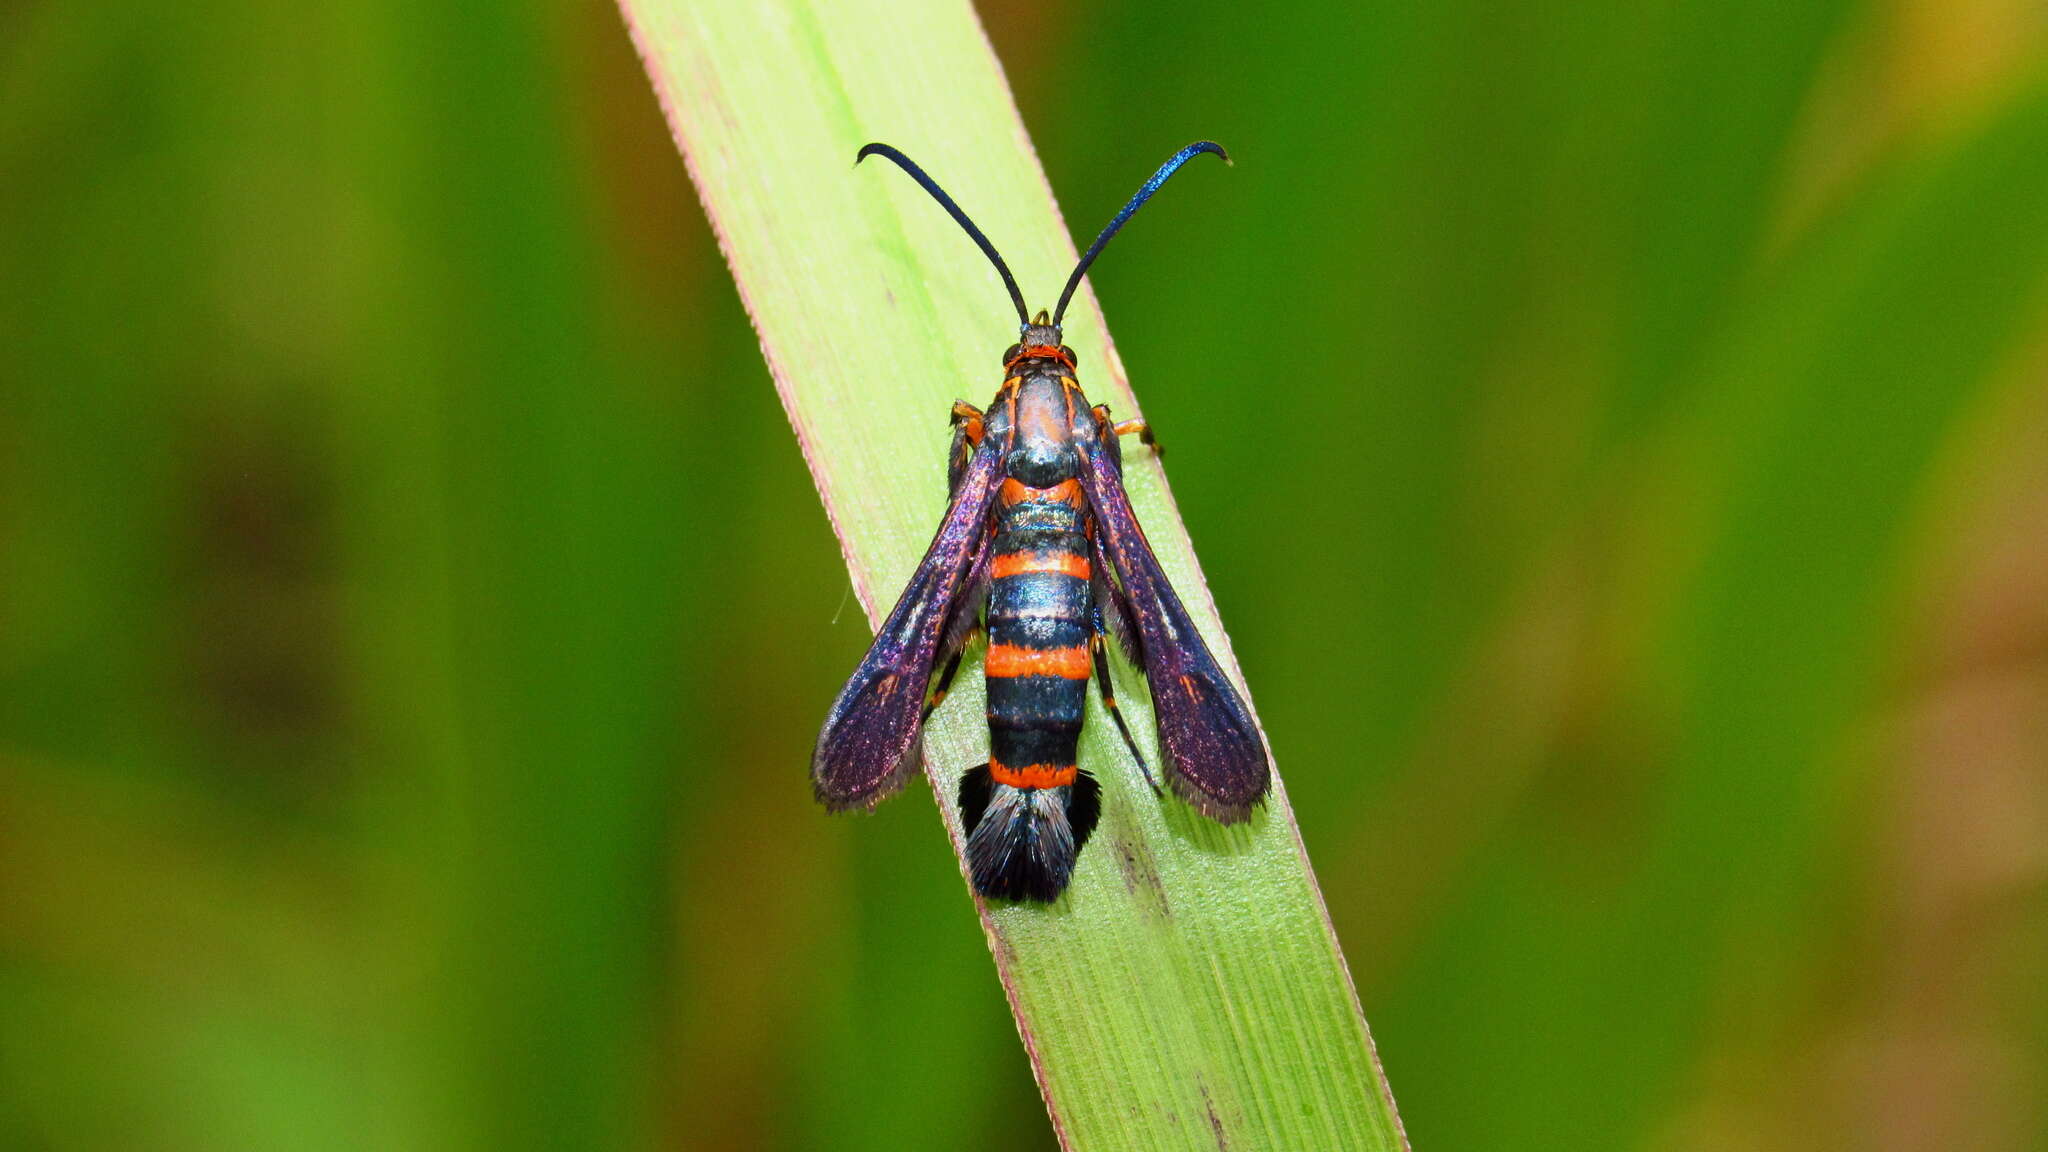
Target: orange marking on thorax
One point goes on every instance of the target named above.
(1006, 660)
(1018, 563)
(1033, 775)
(1038, 352)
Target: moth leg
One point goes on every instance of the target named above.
(1100, 652)
(961, 629)
(1136, 424)
(1143, 429)
(971, 420)
(944, 683)
(969, 425)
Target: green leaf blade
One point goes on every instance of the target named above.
(1189, 991)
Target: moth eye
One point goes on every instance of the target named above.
(1069, 354)
(1012, 353)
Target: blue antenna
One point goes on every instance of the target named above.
(946, 202)
(1167, 169)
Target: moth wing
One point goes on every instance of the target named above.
(1214, 756)
(864, 751)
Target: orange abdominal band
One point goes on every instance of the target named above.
(1018, 563)
(1032, 775)
(1006, 660)
(1015, 491)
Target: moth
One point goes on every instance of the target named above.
(1040, 549)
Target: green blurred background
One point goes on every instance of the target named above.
(1616, 434)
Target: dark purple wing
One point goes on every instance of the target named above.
(1214, 757)
(863, 750)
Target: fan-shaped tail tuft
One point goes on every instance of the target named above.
(1022, 842)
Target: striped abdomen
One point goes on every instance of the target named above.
(1039, 608)
(1029, 810)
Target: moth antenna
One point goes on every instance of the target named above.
(1167, 169)
(959, 217)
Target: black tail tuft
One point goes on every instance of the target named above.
(1022, 842)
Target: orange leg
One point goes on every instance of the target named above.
(970, 420)
(1126, 427)
(1138, 425)
(969, 425)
